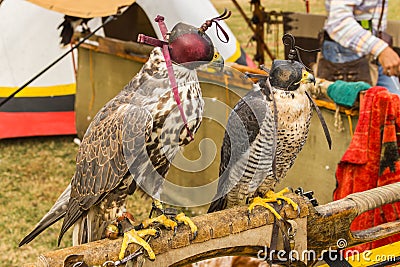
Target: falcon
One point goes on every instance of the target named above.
(265, 132)
(68, 26)
(129, 145)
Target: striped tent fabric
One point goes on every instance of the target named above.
(30, 41)
(38, 111)
(46, 106)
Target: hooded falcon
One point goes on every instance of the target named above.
(129, 145)
(265, 131)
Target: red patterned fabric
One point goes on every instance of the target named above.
(372, 159)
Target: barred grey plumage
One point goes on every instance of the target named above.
(248, 154)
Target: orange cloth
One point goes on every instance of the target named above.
(372, 159)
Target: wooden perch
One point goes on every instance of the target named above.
(230, 232)
(227, 232)
(331, 222)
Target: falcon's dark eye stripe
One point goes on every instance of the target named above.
(247, 159)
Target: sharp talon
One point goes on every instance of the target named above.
(151, 259)
(182, 218)
(139, 227)
(158, 233)
(194, 235)
(136, 237)
(279, 201)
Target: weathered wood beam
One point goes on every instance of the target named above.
(228, 232)
(331, 222)
(128, 50)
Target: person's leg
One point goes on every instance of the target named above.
(389, 82)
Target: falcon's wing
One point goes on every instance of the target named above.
(243, 127)
(101, 162)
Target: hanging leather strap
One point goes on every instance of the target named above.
(165, 50)
(382, 34)
(381, 16)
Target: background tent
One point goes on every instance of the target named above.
(29, 41)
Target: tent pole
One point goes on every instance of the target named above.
(110, 18)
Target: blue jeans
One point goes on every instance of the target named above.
(336, 53)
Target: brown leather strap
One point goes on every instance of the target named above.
(321, 119)
(283, 227)
(380, 18)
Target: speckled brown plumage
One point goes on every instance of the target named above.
(131, 140)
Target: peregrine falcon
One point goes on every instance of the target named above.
(265, 131)
(128, 147)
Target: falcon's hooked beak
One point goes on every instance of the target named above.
(218, 61)
(307, 77)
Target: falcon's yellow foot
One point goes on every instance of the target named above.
(258, 201)
(136, 237)
(162, 219)
(270, 197)
(276, 197)
(169, 218)
(181, 217)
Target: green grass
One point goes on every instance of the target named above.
(34, 171)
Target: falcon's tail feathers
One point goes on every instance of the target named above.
(217, 205)
(72, 216)
(53, 215)
(89, 228)
(67, 31)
